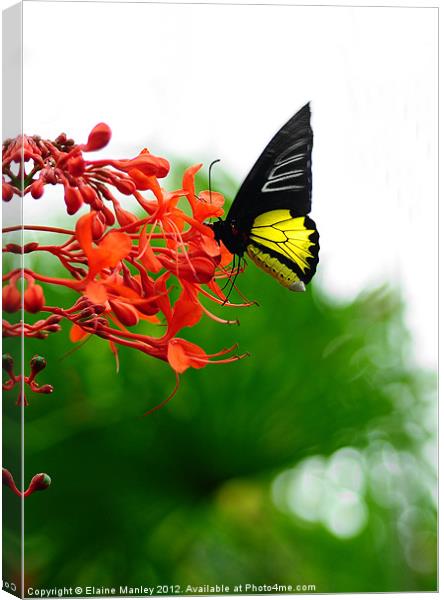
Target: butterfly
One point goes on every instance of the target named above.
(268, 217)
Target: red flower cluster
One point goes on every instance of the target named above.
(125, 270)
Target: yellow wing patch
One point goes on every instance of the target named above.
(272, 217)
(285, 235)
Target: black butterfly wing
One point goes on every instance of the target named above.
(281, 177)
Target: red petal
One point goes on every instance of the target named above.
(182, 355)
(96, 292)
(76, 334)
(212, 198)
(226, 256)
(142, 182)
(115, 246)
(209, 205)
(210, 246)
(163, 300)
(188, 183)
(185, 314)
(149, 260)
(84, 232)
(148, 164)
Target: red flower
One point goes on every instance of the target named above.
(206, 204)
(182, 355)
(111, 249)
(185, 313)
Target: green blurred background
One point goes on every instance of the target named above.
(310, 462)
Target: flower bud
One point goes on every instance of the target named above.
(34, 298)
(7, 192)
(13, 248)
(54, 319)
(126, 313)
(98, 138)
(30, 247)
(148, 308)
(45, 389)
(37, 188)
(38, 363)
(132, 283)
(124, 217)
(82, 302)
(88, 194)
(11, 298)
(99, 309)
(125, 186)
(98, 226)
(39, 482)
(97, 204)
(86, 312)
(73, 200)
(53, 328)
(61, 138)
(109, 217)
(49, 175)
(8, 365)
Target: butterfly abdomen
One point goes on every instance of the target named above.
(274, 267)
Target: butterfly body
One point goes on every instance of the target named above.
(268, 218)
(234, 235)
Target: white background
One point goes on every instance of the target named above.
(217, 81)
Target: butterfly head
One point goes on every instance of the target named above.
(228, 232)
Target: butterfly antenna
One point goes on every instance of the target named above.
(209, 174)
